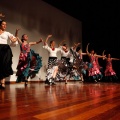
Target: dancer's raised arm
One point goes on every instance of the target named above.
(61, 43)
(76, 45)
(16, 35)
(87, 49)
(47, 39)
(103, 54)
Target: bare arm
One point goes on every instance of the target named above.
(13, 39)
(75, 45)
(19, 40)
(61, 43)
(34, 43)
(100, 56)
(47, 39)
(84, 53)
(16, 32)
(103, 54)
(80, 53)
(16, 35)
(87, 49)
(115, 59)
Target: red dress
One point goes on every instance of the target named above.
(94, 70)
(109, 70)
(29, 63)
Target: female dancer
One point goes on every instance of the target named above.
(65, 59)
(29, 62)
(65, 53)
(5, 53)
(52, 69)
(69, 66)
(94, 71)
(110, 74)
(78, 62)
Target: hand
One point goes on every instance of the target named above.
(1, 15)
(49, 36)
(13, 39)
(78, 43)
(104, 56)
(41, 40)
(17, 29)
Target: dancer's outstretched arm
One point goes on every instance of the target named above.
(34, 43)
(115, 58)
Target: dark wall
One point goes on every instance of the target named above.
(102, 30)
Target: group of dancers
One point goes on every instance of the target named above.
(71, 64)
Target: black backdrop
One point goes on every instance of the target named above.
(100, 25)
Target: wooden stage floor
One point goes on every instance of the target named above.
(72, 101)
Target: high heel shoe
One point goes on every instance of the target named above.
(2, 86)
(26, 82)
(53, 83)
(46, 81)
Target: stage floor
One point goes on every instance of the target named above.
(72, 101)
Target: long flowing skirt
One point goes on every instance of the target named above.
(5, 61)
(52, 64)
(109, 71)
(28, 66)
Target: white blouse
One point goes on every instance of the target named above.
(64, 54)
(52, 53)
(4, 37)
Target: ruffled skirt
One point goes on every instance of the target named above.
(28, 66)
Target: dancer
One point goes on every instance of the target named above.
(5, 53)
(64, 68)
(94, 71)
(97, 61)
(110, 74)
(52, 68)
(65, 52)
(83, 67)
(78, 64)
(29, 62)
(100, 67)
